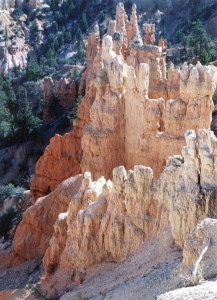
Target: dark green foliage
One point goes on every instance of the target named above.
(34, 29)
(16, 13)
(128, 6)
(51, 57)
(11, 191)
(74, 114)
(26, 122)
(198, 42)
(76, 74)
(8, 219)
(84, 24)
(33, 70)
(71, 22)
(214, 97)
(17, 120)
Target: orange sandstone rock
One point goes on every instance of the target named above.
(62, 157)
(131, 113)
(36, 228)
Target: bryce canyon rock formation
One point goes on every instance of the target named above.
(126, 121)
(99, 220)
(129, 116)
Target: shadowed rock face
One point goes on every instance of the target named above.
(36, 228)
(62, 157)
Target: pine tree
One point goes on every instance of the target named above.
(33, 70)
(84, 24)
(26, 122)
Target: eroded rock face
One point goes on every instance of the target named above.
(63, 90)
(121, 122)
(127, 116)
(107, 221)
(130, 124)
(146, 131)
(36, 228)
(62, 157)
(83, 223)
(202, 236)
(7, 4)
(12, 54)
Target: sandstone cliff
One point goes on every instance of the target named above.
(67, 149)
(36, 228)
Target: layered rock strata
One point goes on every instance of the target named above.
(85, 222)
(146, 131)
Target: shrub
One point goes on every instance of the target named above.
(74, 113)
(8, 219)
(10, 191)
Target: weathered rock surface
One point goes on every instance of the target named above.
(12, 54)
(60, 161)
(64, 91)
(36, 228)
(204, 235)
(146, 131)
(7, 4)
(127, 116)
(107, 221)
(207, 290)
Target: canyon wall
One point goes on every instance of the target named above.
(14, 52)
